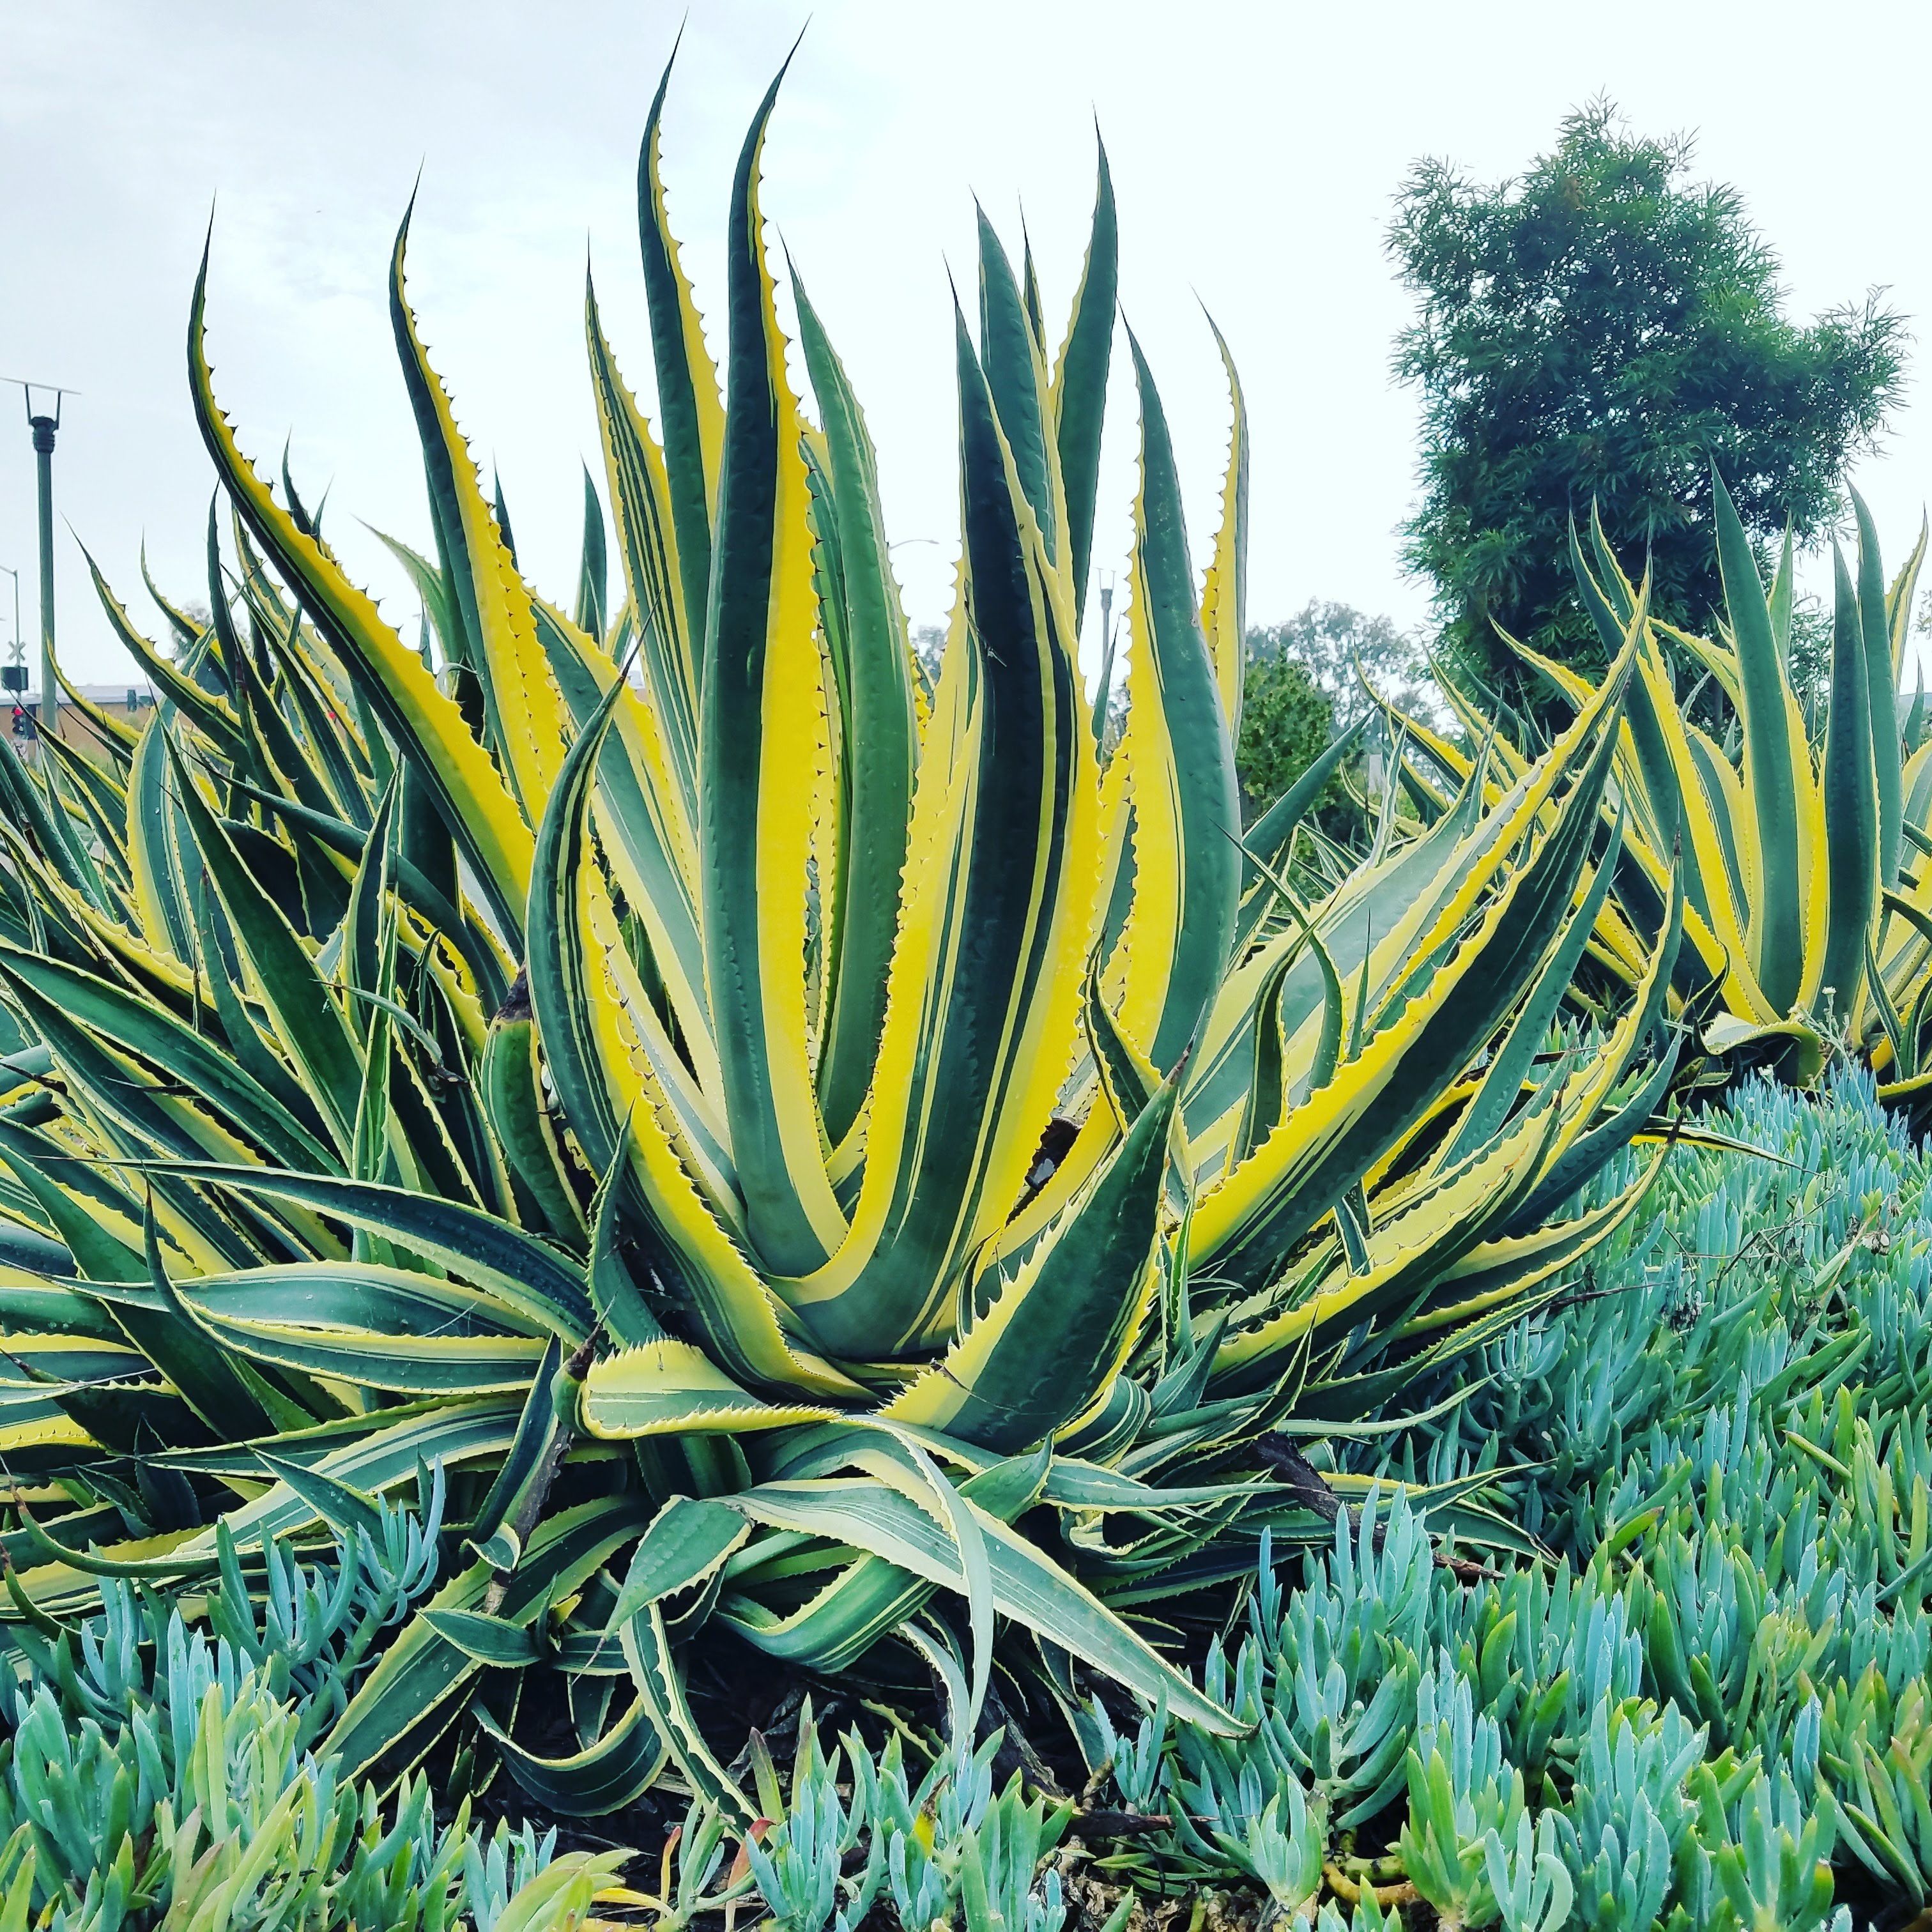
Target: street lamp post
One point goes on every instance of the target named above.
(44, 427)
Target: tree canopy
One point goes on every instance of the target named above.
(1286, 724)
(1302, 687)
(1332, 639)
(1603, 330)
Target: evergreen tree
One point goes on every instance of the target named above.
(1603, 330)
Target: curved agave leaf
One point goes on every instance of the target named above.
(391, 679)
(759, 732)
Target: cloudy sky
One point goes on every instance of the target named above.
(1255, 149)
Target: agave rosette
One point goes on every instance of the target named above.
(764, 1127)
(1803, 829)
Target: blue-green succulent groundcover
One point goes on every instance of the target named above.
(1714, 1708)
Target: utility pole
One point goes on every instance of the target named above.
(44, 427)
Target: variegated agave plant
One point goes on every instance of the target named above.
(622, 1058)
(1804, 830)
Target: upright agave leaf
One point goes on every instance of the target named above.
(776, 1139)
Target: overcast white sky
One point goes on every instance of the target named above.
(1255, 149)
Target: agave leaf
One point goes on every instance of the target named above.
(643, 821)
(646, 509)
(1079, 391)
(1005, 851)
(409, 1699)
(687, 388)
(1877, 632)
(531, 1278)
(1026, 1585)
(176, 1050)
(1224, 593)
(390, 678)
(604, 1777)
(1774, 745)
(758, 748)
(479, 570)
(1042, 1346)
(1181, 762)
(877, 739)
(1011, 355)
(1289, 1183)
(1855, 801)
